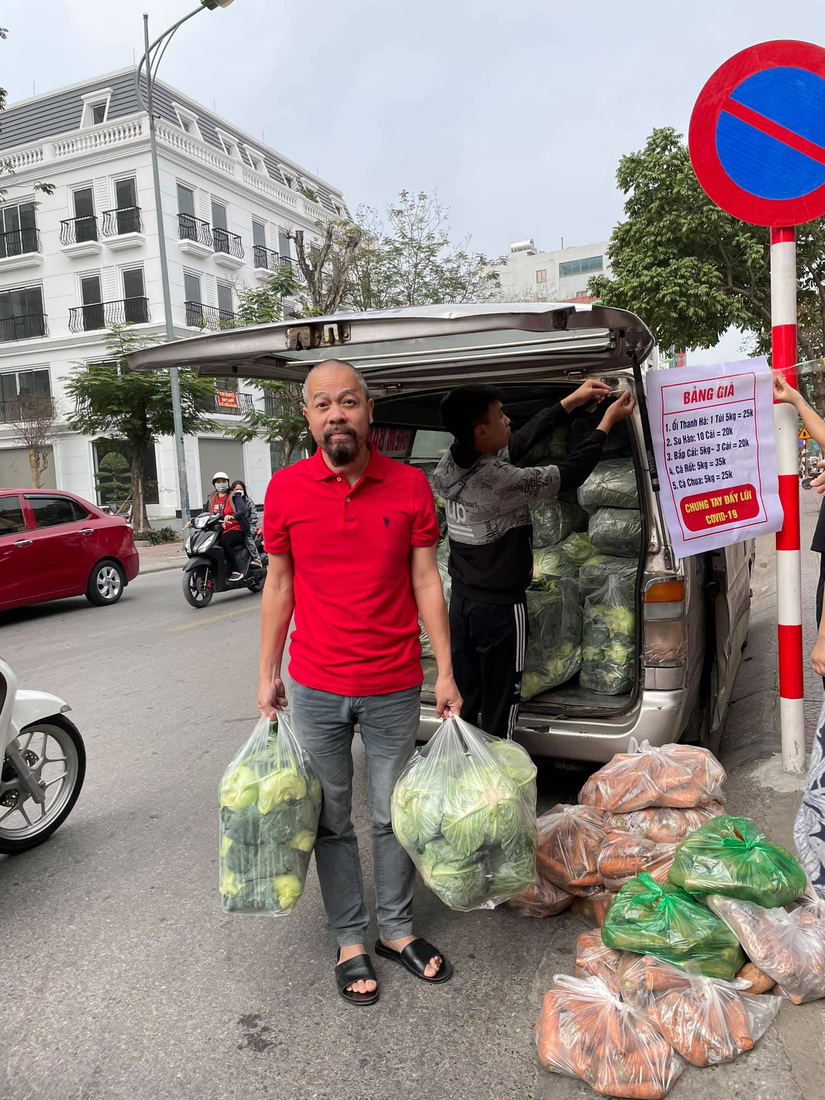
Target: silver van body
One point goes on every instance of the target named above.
(689, 644)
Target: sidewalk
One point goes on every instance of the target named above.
(154, 559)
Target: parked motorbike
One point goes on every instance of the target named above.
(43, 764)
(208, 570)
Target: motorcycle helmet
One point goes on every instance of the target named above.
(220, 476)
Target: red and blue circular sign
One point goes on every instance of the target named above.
(757, 134)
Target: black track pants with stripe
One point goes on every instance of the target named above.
(488, 644)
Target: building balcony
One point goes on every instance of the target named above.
(231, 403)
(97, 315)
(195, 236)
(27, 407)
(211, 317)
(266, 260)
(27, 327)
(229, 250)
(123, 228)
(20, 248)
(79, 236)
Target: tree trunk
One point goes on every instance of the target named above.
(287, 443)
(36, 466)
(140, 521)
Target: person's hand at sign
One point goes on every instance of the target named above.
(785, 392)
(621, 409)
(591, 390)
(782, 391)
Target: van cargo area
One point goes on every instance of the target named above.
(558, 583)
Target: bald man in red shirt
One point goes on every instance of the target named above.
(351, 539)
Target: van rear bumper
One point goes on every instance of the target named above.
(658, 717)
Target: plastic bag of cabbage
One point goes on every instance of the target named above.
(594, 573)
(270, 801)
(442, 557)
(550, 564)
(616, 531)
(554, 520)
(608, 638)
(611, 485)
(464, 809)
(554, 647)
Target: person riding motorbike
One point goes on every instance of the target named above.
(247, 516)
(220, 501)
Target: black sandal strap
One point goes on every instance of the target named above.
(418, 954)
(359, 969)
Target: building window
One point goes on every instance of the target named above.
(257, 161)
(21, 313)
(188, 122)
(258, 234)
(219, 216)
(85, 222)
(191, 287)
(541, 276)
(589, 266)
(225, 302)
(135, 305)
(283, 244)
(230, 145)
(95, 107)
(186, 200)
(16, 384)
(18, 230)
(99, 113)
(289, 180)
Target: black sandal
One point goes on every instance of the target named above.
(416, 958)
(359, 969)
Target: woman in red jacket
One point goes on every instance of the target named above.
(232, 536)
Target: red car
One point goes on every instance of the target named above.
(55, 544)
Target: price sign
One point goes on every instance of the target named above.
(712, 431)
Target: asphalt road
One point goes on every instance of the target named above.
(122, 979)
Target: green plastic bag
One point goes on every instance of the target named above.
(731, 856)
(660, 919)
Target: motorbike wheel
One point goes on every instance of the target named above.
(257, 584)
(54, 751)
(197, 588)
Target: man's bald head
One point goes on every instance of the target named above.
(322, 370)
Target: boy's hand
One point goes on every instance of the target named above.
(271, 697)
(447, 697)
(621, 409)
(784, 392)
(591, 390)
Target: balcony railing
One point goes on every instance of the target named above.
(78, 230)
(126, 219)
(26, 327)
(27, 407)
(19, 241)
(245, 402)
(269, 260)
(191, 228)
(96, 315)
(211, 317)
(227, 242)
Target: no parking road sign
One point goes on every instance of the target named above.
(757, 134)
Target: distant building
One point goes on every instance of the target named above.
(73, 262)
(558, 276)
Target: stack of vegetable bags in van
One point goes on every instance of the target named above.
(607, 580)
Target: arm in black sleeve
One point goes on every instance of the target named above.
(535, 431)
(578, 466)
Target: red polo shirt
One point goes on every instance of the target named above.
(356, 620)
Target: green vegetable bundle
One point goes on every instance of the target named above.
(550, 564)
(608, 639)
(576, 548)
(731, 856)
(595, 571)
(660, 919)
(270, 802)
(551, 450)
(464, 809)
(442, 556)
(611, 485)
(554, 647)
(554, 520)
(616, 531)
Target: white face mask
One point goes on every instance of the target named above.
(221, 486)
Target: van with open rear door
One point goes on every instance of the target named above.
(691, 616)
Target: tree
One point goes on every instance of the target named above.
(113, 478)
(33, 416)
(325, 266)
(281, 420)
(134, 406)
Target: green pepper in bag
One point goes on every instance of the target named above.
(660, 919)
(731, 856)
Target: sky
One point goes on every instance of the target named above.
(515, 112)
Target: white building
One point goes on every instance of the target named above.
(560, 276)
(74, 261)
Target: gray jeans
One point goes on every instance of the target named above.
(324, 725)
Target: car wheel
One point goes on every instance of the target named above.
(106, 583)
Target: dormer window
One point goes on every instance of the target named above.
(289, 181)
(230, 145)
(256, 160)
(99, 113)
(188, 121)
(95, 107)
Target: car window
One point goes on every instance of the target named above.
(430, 444)
(11, 516)
(51, 511)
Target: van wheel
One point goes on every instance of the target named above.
(106, 583)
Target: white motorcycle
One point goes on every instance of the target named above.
(43, 764)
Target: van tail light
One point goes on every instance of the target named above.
(665, 636)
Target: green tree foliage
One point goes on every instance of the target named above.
(135, 406)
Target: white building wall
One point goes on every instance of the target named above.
(519, 273)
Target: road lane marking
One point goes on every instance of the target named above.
(213, 619)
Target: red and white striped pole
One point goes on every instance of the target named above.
(788, 561)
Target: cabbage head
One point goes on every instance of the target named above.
(518, 765)
(304, 841)
(315, 792)
(484, 808)
(288, 888)
(576, 548)
(230, 883)
(460, 883)
(531, 685)
(239, 788)
(279, 786)
(242, 826)
(416, 814)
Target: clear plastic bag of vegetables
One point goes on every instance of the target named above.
(553, 652)
(585, 1030)
(659, 919)
(270, 801)
(442, 557)
(550, 564)
(680, 776)
(595, 571)
(570, 840)
(624, 857)
(661, 824)
(608, 639)
(733, 857)
(576, 548)
(611, 485)
(464, 809)
(616, 531)
(554, 520)
(549, 451)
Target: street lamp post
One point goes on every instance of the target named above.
(151, 59)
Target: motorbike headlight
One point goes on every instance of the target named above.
(209, 541)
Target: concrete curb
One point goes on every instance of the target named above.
(159, 567)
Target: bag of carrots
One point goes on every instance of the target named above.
(706, 1020)
(787, 945)
(660, 919)
(733, 857)
(585, 1030)
(662, 824)
(624, 857)
(542, 899)
(570, 839)
(594, 960)
(680, 776)
(594, 907)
